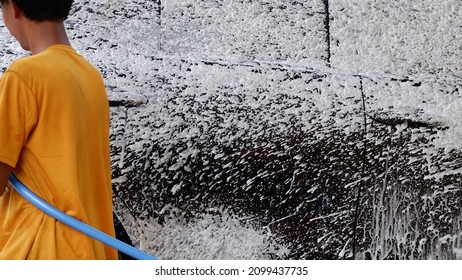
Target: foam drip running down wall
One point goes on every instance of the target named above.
(273, 129)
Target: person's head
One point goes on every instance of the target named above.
(41, 10)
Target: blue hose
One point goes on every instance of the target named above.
(76, 224)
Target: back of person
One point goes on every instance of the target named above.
(57, 112)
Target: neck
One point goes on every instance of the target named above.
(41, 35)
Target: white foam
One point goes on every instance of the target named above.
(217, 235)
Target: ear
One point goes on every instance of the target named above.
(16, 11)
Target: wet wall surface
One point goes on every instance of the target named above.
(333, 125)
(318, 165)
(295, 116)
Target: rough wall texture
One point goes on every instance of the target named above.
(332, 125)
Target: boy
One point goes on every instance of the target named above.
(54, 136)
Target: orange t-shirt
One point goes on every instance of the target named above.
(54, 131)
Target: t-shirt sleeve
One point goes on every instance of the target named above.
(18, 116)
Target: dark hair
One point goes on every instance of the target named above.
(41, 10)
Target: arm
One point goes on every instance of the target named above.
(5, 171)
